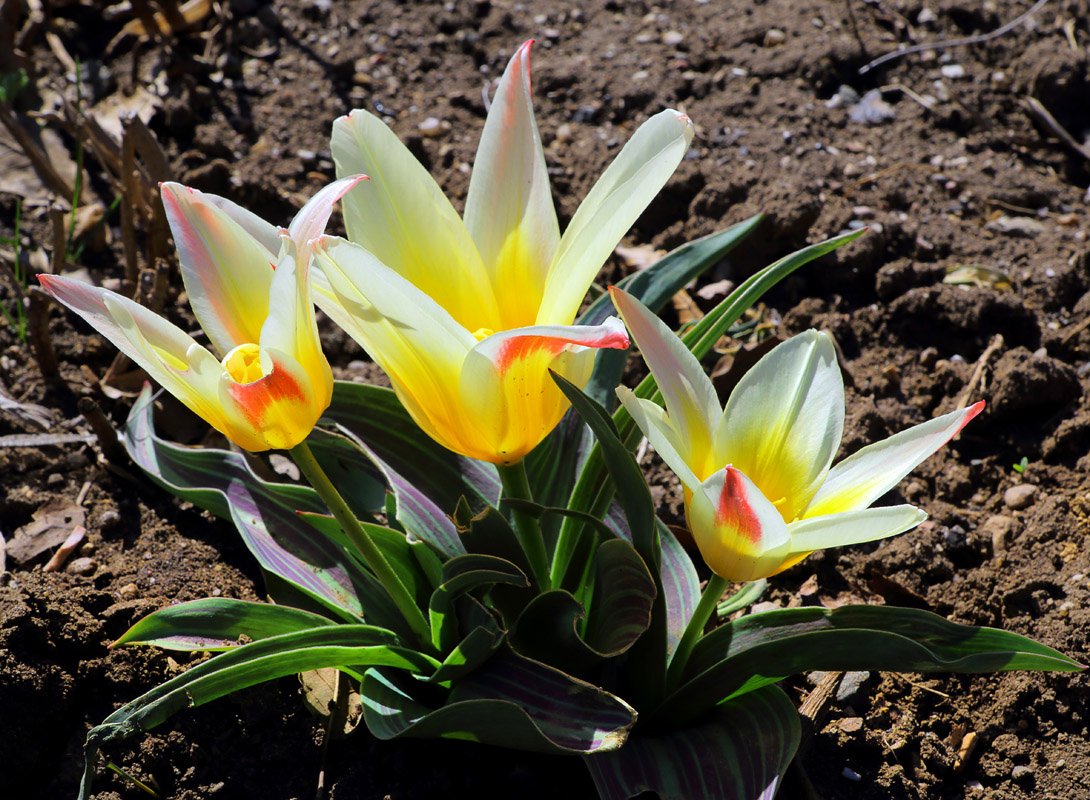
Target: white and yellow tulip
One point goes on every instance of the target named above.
(247, 284)
(759, 491)
(468, 317)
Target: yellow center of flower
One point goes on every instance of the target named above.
(243, 364)
(482, 333)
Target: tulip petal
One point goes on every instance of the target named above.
(851, 527)
(276, 411)
(404, 219)
(863, 477)
(740, 534)
(226, 270)
(659, 429)
(509, 209)
(784, 420)
(292, 330)
(690, 397)
(618, 198)
(415, 341)
(170, 356)
(505, 382)
(312, 218)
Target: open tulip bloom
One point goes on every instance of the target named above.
(759, 491)
(467, 318)
(247, 284)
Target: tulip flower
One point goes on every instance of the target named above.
(247, 284)
(468, 317)
(759, 492)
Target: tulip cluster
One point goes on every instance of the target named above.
(440, 593)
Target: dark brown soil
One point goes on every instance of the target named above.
(960, 176)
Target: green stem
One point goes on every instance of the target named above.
(516, 485)
(693, 631)
(370, 552)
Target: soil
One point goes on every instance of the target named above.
(978, 222)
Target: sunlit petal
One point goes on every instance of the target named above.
(740, 534)
(413, 339)
(862, 478)
(505, 382)
(312, 218)
(852, 527)
(784, 420)
(659, 429)
(690, 397)
(509, 208)
(406, 221)
(618, 198)
(226, 270)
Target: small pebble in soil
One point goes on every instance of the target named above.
(955, 537)
(1021, 771)
(1020, 496)
(128, 591)
(854, 689)
(54, 479)
(774, 37)
(82, 566)
(673, 38)
(953, 71)
(997, 528)
(433, 128)
(108, 519)
(850, 724)
(850, 774)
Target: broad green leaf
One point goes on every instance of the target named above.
(740, 752)
(216, 623)
(358, 479)
(624, 596)
(510, 701)
(464, 574)
(760, 649)
(426, 478)
(264, 513)
(644, 685)
(680, 586)
(547, 630)
(475, 649)
(395, 547)
(353, 648)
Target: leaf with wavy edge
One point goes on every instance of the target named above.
(511, 702)
(760, 649)
(740, 753)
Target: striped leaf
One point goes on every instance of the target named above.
(624, 596)
(352, 648)
(216, 623)
(760, 649)
(740, 752)
(284, 544)
(510, 701)
(426, 478)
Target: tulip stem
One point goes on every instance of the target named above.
(709, 599)
(365, 546)
(516, 485)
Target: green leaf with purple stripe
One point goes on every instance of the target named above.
(216, 623)
(759, 649)
(426, 478)
(739, 752)
(264, 513)
(510, 701)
